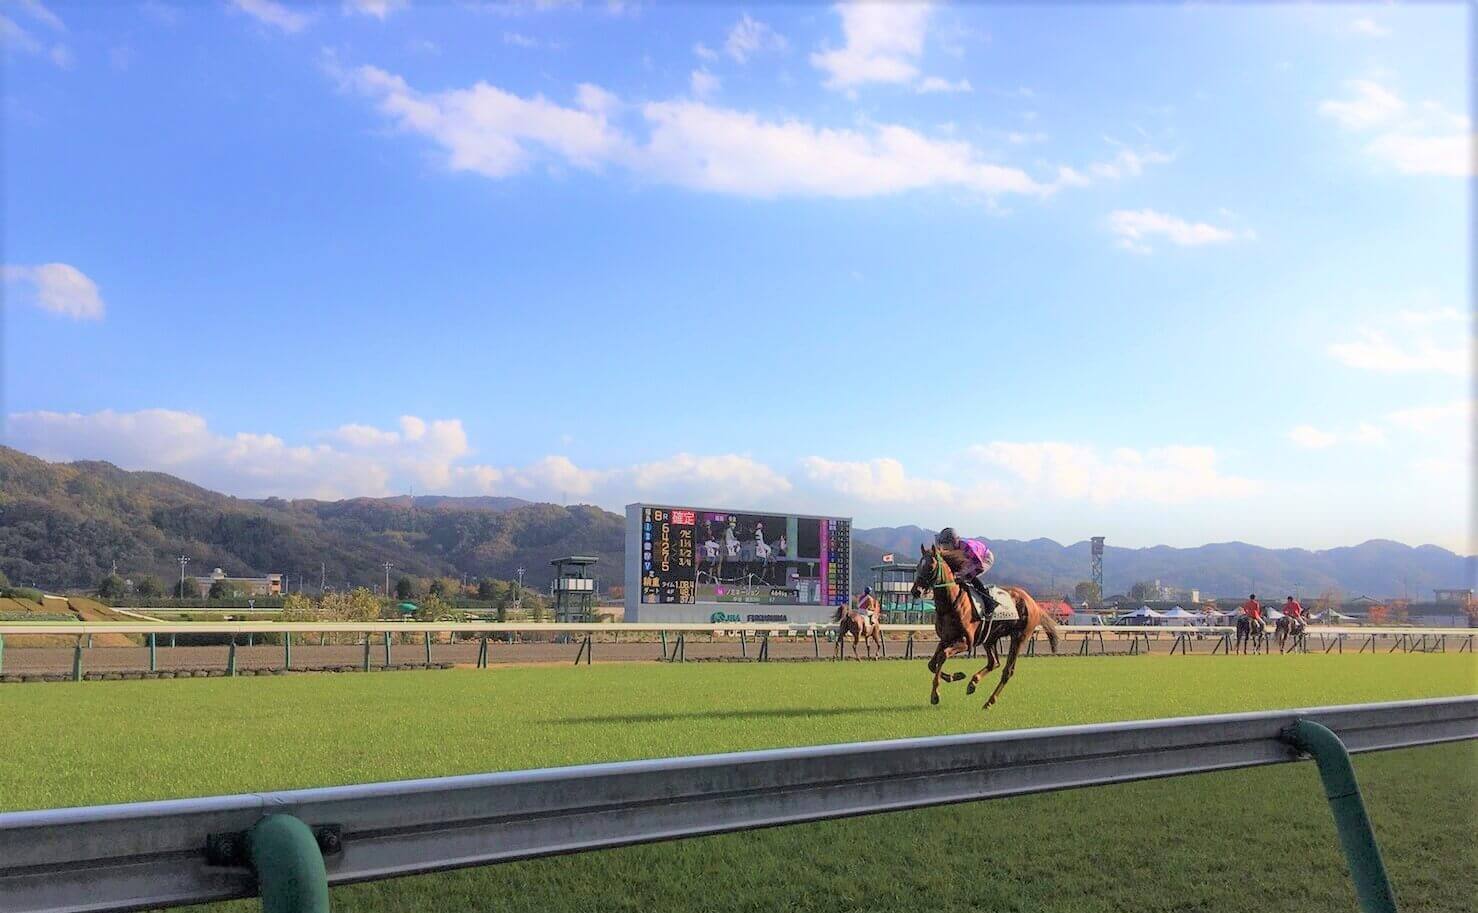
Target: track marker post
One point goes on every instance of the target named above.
(428, 649)
(765, 647)
(662, 636)
(153, 654)
(288, 863)
(1362, 854)
(287, 651)
(231, 658)
(387, 648)
(908, 648)
(77, 661)
(365, 664)
(816, 642)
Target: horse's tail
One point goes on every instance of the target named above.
(1049, 624)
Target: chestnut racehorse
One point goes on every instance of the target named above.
(859, 625)
(958, 628)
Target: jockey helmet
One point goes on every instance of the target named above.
(947, 537)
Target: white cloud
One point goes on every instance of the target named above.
(703, 83)
(39, 12)
(883, 42)
(430, 455)
(1312, 438)
(58, 288)
(726, 151)
(688, 143)
(1136, 228)
(704, 52)
(277, 15)
(1443, 156)
(1128, 163)
(1372, 105)
(1020, 139)
(1369, 27)
(1435, 315)
(875, 481)
(932, 84)
(13, 37)
(494, 133)
(1416, 353)
(1429, 141)
(379, 9)
(749, 37)
(1072, 472)
(520, 40)
(1443, 417)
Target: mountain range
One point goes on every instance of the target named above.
(66, 525)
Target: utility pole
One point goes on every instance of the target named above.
(518, 592)
(183, 561)
(388, 566)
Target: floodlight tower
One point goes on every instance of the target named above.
(183, 561)
(1098, 566)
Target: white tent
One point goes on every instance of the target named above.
(1179, 612)
(1332, 616)
(1272, 615)
(1143, 613)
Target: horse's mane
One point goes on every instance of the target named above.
(953, 557)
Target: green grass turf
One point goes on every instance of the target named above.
(1185, 844)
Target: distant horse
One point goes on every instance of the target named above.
(1289, 627)
(1252, 634)
(958, 628)
(860, 625)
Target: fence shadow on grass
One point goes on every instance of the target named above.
(723, 715)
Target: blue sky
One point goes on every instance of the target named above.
(1170, 274)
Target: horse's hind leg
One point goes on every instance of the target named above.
(990, 665)
(1009, 668)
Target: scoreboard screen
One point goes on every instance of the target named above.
(691, 555)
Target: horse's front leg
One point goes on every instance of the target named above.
(936, 665)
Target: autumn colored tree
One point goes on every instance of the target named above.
(1378, 614)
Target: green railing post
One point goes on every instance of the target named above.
(287, 651)
(428, 649)
(1372, 887)
(231, 658)
(387, 648)
(291, 876)
(153, 653)
(77, 661)
(366, 652)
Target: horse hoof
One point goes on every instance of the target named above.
(970, 688)
(933, 698)
(958, 676)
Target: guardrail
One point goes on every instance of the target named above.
(1139, 638)
(289, 846)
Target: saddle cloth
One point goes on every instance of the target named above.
(1005, 606)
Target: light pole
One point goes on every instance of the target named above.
(183, 561)
(518, 593)
(388, 566)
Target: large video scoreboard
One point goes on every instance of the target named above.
(694, 556)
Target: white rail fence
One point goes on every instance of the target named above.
(169, 853)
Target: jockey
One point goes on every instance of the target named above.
(1252, 608)
(867, 604)
(978, 559)
(1292, 609)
